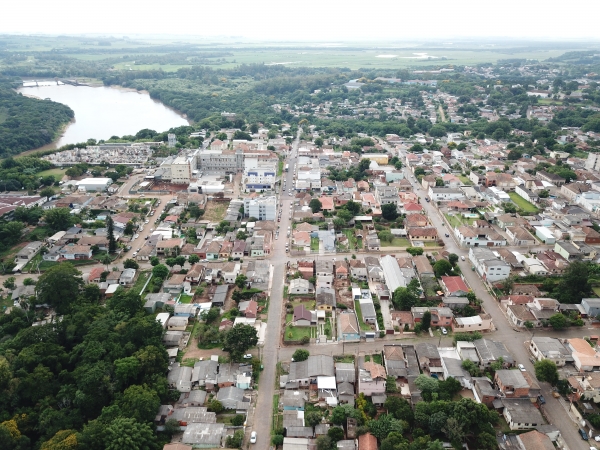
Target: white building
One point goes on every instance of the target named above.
(262, 208)
(181, 172)
(545, 235)
(172, 140)
(259, 173)
(489, 266)
(437, 194)
(94, 184)
(391, 273)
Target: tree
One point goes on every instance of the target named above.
(193, 259)
(215, 406)
(313, 418)
(528, 324)
(558, 321)
(59, 287)
(129, 434)
(315, 205)
(170, 262)
(324, 442)
(414, 251)
(344, 215)
(389, 211)
(399, 408)
(47, 192)
(545, 370)
(235, 441)
(212, 315)
(239, 339)
(154, 261)
(471, 367)
(385, 236)
(544, 193)
(425, 383)
(241, 280)
(28, 282)
(453, 258)
(454, 430)
(441, 268)
(238, 420)
(335, 434)
(129, 228)
(140, 403)
(509, 208)
(277, 440)
(160, 271)
(426, 321)
(300, 355)
(171, 427)
(106, 260)
(131, 264)
(574, 284)
(9, 283)
(58, 218)
(404, 299)
(110, 233)
(390, 384)
(384, 425)
(353, 207)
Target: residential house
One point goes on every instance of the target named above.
(489, 351)
(511, 383)
(591, 306)
(231, 397)
(371, 379)
(480, 322)
(519, 315)
(550, 348)
(454, 286)
(358, 269)
(587, 386)
(218, 294)
(230, 271)
(585, 357)
(174, 285)
(75, 252)
(521, 414)
(484, 391)
(423, 266)
(429, 358)
(300, 286)
(238, 249)
(303, 317)
(422, 233)
(180, 377)
(488, 265)
(348, 329)
(519, 236)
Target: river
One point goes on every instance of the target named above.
(102, 112)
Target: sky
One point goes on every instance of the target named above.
(310, 20)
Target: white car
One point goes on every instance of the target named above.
(146, 221)
(521, 367)
(134, 254)
(136, 235)
(443, 330)
(248, 356)
(462, 257)
(253, 437)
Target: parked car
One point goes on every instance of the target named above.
(521, 367)
(443, 330)
(247, 356)
(253, 437)
(541, 399)
(583, 434)
(462, 257)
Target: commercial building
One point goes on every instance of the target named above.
(94, 184)
(181, 172)
(262, 208)
(260, 173)
(488, 265)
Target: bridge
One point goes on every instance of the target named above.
(58, 81)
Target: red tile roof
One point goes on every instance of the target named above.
(454, 284)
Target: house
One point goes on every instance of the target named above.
(28, 252)
(511, 383)
(180, 377)
(239, 247)
(591, 306)
(480, 322)
(453, 368)
(168, 246)
(585, 357)
(195, 274)
(521, 414)
(484, 391)
(422, 233)
(230, 271)
(300, 286)
(174, 285)
(341, 270)
(127, 277)
(371, 379)
(488, 265)
(204, 435)
(218, 295)
(205, 373)
(181, 309)
(348, 329)
(440, 316)
(454, 286)
(358, 269)
(423, 266)
(519, 236)
(303, 317)
(437, 194)
(489, 351)
(429, 358)
(173, 338)
(325, 298)
(177, 323)
(518, 315)
(367, 442)
(550, 348)
(75, 252)
(292, 400)
(535, 440)
(587, 387)
(230, 397)
(251, 309)
(308, 371)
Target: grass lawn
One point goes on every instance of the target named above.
(6, 302)
(363, 326)
(431, 244)
(58, 173)
(45, 265)
(377, 359)
(465, 180)
(523, 204)
(354, 243)
(314, 244)
(396, 242)
(454, 220)
(185, 298)
(596, 290)
(215, 211)
(293, 333)
(140, 282)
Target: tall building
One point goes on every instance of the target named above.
(262, 208)
(593, 161)
(181, 172)
(260, 172)
(172, 140)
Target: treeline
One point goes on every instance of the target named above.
(27, 123)
(88, 380)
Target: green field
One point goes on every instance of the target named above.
(58, 173)
(396, 242)
(523, 204)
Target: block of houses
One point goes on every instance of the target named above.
(371, 379)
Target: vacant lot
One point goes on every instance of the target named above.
(523, 204)
(396, 242)
(58, 173)
(215, 211)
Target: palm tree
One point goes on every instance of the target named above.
(106, 261)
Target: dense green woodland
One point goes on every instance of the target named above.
(27, 123)
(91, 380)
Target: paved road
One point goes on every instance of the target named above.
(513, 340)
(270, 352)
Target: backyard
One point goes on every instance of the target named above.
(314, 244)
(396, 242)
(522, 204)
(354, 243)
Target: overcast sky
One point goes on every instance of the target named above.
(324, 20)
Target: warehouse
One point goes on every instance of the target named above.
(94, 184)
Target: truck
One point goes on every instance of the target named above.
(287, 167)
